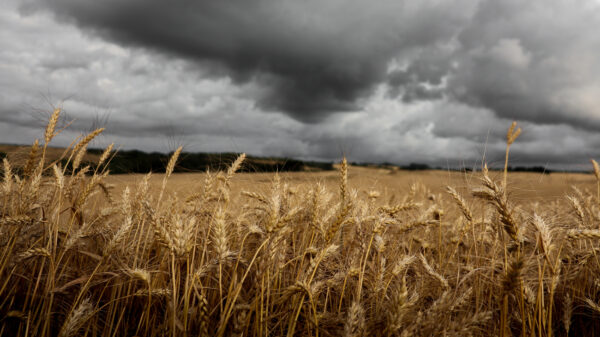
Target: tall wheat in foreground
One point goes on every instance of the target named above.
(76, 259)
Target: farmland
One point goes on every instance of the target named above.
(353, 252)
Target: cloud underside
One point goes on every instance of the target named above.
(394, 81)
(530, 60)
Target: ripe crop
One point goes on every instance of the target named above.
(297, 258)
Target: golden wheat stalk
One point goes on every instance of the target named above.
(77, 318)
(105, 154)
(511, 136)
(355, 323)
(86, 140)
(462, 204)
(169, 171)
(433, 273)
(8, 176)
(344, 180)
(34, 252)
(30, 164)
(578, 210)
(51, 126)
(18, 220)
(578, 234)
(235, 166)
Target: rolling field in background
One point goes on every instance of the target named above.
(523, 186)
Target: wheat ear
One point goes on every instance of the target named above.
(49, 134)
(169, 171)
(511, 136)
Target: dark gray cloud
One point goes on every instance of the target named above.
(432, 81)
(313, 57)
(531, 67)
(531, 60)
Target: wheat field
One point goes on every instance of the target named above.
(350, 253)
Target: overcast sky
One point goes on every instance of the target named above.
(431, 81)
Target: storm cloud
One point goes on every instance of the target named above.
(312, 57)
(535, 60)
(433, 81)
(531, 60)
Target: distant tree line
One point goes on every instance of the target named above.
(135, 161)
(421, 167)
(425, 167)
(539, 169)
